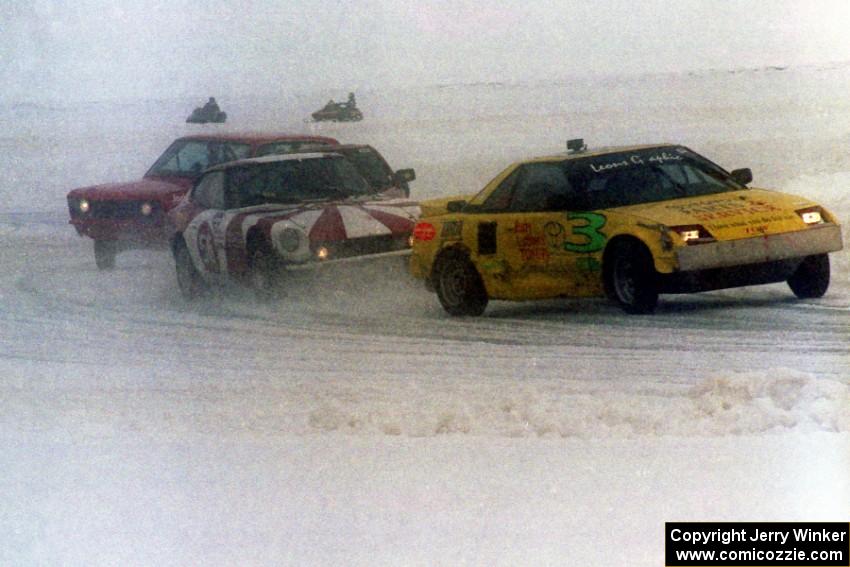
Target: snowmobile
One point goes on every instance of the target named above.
(198, 116)
(338, 112)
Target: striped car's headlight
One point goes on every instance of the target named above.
(289, 239)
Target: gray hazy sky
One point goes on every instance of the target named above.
(97, 50)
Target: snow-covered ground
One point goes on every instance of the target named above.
(353, 423)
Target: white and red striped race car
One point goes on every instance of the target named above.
(253, 219)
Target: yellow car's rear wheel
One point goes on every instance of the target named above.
(459, 286)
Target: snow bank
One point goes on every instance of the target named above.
(765, 402)
(77, 406)
(779, 401)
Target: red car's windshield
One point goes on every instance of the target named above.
(188, 158)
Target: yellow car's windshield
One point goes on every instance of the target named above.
(642, 176)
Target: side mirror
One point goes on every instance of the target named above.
(455, 206)
(742, 176)
(406, 175)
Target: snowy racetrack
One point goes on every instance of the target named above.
(353, 422)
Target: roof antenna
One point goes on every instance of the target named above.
(576, 146)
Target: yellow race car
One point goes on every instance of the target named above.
(629, 222)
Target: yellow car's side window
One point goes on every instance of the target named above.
(530, 188)
(500, 199)
(541, 187)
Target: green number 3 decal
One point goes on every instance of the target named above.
(589, 231)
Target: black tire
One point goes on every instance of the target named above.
(265, 274)
(458, 285)
(630, 277)
(189, 280)
(104, 254)
(811, 279)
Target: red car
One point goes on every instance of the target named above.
(252, 220)
(119, 216)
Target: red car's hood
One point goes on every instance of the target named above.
(159, 189)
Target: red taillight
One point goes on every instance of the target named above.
(424, 231)
(693, 233)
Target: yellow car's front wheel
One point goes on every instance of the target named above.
(630, 277)
(811, 279)
(458, 285)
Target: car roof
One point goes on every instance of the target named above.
(260, 137)
(598, 152)
(339, 148)
(274, 158)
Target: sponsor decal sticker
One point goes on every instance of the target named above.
(206, 248)
(633, 160)
(424, 231)
(720, 209)
(451, 230)
(589, 234)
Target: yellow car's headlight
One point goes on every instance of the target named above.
(693, 233)
(811, 215)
